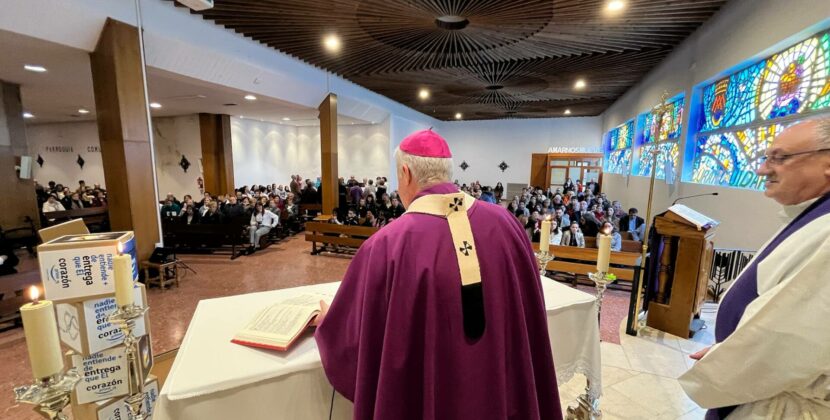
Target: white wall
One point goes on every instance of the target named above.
(743, 30)
(61, 166)
(173, 137)
(485, 144)
(265, 153)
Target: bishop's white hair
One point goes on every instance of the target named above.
(426, 171)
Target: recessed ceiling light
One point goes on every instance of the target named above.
(155, 105)
(28, 115)
(423, 94)
(567, 112)
(286, 119)
(458, 115)
(83, 111)
(332, 43)
(615, 5)
(580, 84)
(250, 97)
(34, 68)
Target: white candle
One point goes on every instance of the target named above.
(41, 331)
(124, 280)
(544, 237)
(604, 257)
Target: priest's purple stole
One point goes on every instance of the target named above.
(745, 289)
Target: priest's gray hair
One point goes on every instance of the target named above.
(426, 171)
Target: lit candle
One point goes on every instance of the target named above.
(41, 331)
(124, 280)
(544, 237)
(604, 257)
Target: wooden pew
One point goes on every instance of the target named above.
(213, 237)
(333, 234)
(627, 245)
(569, 259)
(96, 218)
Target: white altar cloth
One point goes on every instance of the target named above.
(213, 378)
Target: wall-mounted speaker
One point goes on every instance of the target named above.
(25, 167)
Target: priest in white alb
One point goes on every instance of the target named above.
(772, 356)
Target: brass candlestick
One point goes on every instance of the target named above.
(50, 395)
(587, 404)
(125, 318)
(543, 257)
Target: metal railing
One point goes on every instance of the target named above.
(726, 265)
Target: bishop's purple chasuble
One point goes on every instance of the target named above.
(394, 341)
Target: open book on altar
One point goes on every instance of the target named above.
(278, 326)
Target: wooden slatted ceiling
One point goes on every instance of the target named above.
(504, 59)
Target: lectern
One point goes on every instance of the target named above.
(681, 257)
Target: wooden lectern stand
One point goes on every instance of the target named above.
(684, 259)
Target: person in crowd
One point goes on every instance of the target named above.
(611, 217)
(370, 220)
(562, 219)
(204, 206)
(588, 224)
(618, 209)
(52, 204)
(609, 229)
(273, 205)
(262, 221)
(8, 259)
(233, 209)
(381, 189)
(568, 186)
(370, 190)
(212, 216)
(75, 202)
(498, 191)
(355, 193)
(573, 236)
(310, 193)
(555, 233)
(246, 204)
(351, 218)
(397, 210)
(170, 209)
(598, 211)
(189, 216)
(371, 204)
(633, 224)
(281, 192)
(488, 196)
(592, 187)
(294, 187)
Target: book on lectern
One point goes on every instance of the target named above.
(278, 326)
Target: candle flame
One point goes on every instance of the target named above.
(34, 293)
(120, 248)
(548, 218)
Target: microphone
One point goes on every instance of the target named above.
(692, 196)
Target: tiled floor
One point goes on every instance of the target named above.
(639, 375)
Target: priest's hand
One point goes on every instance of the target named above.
(324, 309)
(699, 355)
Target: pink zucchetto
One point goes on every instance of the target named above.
(426, 143)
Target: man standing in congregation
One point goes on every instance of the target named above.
(772, 357)
(441, 314)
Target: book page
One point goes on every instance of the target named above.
(284, 320)
(692, 216)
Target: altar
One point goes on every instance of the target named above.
(213, 378)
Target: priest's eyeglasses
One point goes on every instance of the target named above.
(780, 159)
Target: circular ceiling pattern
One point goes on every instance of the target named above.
(459, 27)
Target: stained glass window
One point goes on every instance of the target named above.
(663, 137)
(739, 112)
(618, 148)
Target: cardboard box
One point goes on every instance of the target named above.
(116, 409)
(75, 268)
(83, 326)
(104, 375)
